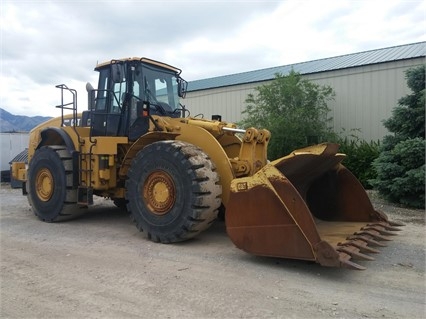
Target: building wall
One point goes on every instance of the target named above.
(365, 96)
(11, 145)
(226, 101)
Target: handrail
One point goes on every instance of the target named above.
(65, 106)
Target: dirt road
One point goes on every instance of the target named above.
(100, 266)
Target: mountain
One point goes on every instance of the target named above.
(19, 123)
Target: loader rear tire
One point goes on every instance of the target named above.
(173, 191)
(50, 185)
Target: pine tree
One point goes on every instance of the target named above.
(401, 164)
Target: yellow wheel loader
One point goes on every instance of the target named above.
(137, 145)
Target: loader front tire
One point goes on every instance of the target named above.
(50, 185)
(173, 191)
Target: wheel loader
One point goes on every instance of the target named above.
(138, 146)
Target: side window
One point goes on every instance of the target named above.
(117, 97)
(133, 111)
(161, 91)
(174, 96)
(136, 89)
(102, 91)
(109, 97)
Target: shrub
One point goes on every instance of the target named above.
(293, 109)
(360, 157)
(401, 173)
(401, 164)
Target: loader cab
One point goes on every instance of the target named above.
(127, 86)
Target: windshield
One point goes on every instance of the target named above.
(158, 86)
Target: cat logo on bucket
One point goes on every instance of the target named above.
(242, 186)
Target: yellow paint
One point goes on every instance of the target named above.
(19, 171)
(104, 174)
(202, 138)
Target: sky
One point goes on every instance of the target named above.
(45, 43)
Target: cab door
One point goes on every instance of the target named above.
(107, 114)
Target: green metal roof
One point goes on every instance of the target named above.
(395, 53)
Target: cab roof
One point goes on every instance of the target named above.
(143, 60)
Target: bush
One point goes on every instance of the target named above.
(401, 164)
(360, 157)
(401, 173)
(293, 109)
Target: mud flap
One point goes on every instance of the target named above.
(306, 206)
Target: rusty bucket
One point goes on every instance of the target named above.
(307, 206)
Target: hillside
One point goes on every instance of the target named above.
(18, 123)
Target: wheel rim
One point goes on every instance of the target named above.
(159, 192)
(44, 184)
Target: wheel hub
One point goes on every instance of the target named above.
(44, 184)
(159, 192)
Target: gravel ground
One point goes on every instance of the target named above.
(100, 266)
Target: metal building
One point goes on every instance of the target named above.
(367, 84)
(11, 145)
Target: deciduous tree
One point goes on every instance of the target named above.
(294, 110)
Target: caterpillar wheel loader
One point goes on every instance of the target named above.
(136, 145)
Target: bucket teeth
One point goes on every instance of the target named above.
(379, 229)
(395, 223)
(358, 245)
(373, 233)
(363, 246)
(385, 225)
(353, 252)
(367, 239)
(351, 265)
